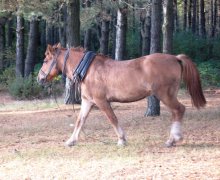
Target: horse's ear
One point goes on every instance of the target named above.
(58, 45)
(49, 48)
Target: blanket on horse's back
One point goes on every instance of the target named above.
(72, 87)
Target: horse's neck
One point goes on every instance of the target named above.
(72, 62)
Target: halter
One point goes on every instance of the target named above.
(54, 63)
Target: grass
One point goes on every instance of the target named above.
(32, 146)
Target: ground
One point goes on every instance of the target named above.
(32, 136)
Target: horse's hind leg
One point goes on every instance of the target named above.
(106, 108)
(177, 115)
(84, 111)
(177, 109)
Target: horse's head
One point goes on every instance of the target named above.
(49, 68)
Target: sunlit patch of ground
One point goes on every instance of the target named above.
(32, 143)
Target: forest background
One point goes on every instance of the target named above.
(123, 29)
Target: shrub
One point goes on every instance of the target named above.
(7, 76)
(24, 88)
(210, 73)
(28, 88)
(194, 46)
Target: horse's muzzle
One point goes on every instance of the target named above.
(41, 81)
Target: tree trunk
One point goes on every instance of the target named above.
(73, 39)
(202, 19)
(194, 17)
(2, 42)
(185, 15)
(88, 39)
(153, 108)
(104, 39)
(156, 26)
(168, 27)
(121, 28)
(73, 23)
(62, 26)
(49, 34)
(113, 34)
(20, 47)
(213, 17)
(9, 39)
(176, 17)
(32, 47)
(43, 42)
(190, 15)
(145, 22)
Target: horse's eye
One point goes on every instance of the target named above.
(45, 61)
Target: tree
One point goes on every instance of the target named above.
(194, 15)
(168, 26)
(153, 108)
(202, 19)
(121, 28)
(9, 39)
(145, 22)
(104, 35)
(185, 15)
(2, 41)
(213, 18)
(190, 14)
(20, 46)
(73, 23)
(32, 47)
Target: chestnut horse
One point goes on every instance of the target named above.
(109, 81)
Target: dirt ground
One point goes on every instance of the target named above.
(32, 139)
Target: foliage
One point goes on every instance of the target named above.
(24, 88)
(6, 77)
(133, 44)
(210, 73)
(194, 46)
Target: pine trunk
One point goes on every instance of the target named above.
(9, 34)
(49, 34)
(153, 108)
(176, 16)
(168, 27)
(194, 17)
(190, 15)
(145, 22)
(121, 28)
(32, 47)
(113, 34)
(104, 39)
(202, 19)
(2, 42)
(185, 15)
(73, 23)
(213, 17)
(88, 39)
(20, 47)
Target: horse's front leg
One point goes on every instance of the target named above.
(84, 111)
(106, 108)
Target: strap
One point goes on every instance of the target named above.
(66, 56)
(84, 64)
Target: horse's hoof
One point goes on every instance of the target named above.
(121, 143)
(170, 144)
(178, 138)
(70, 143)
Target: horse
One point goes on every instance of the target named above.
(108, 80)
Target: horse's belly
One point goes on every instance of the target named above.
(128, 95)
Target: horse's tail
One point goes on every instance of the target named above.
(192, 80)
